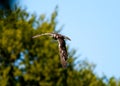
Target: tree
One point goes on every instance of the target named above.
(7, 4)
(35, 62)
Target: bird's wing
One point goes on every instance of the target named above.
(42, 35)
(63, 52)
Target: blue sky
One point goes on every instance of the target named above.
(93, 26)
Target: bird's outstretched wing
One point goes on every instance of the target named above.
(63, 52)
(49, 34)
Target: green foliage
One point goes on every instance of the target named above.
(33, 62)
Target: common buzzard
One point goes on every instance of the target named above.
(62, 46)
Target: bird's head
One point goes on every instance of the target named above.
(65, 37)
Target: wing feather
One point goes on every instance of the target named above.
(63, 52)
(49, 34)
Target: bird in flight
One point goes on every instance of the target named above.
(62, 46)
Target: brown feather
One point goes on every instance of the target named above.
(63, 52)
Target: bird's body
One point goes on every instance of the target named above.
(62, 46)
